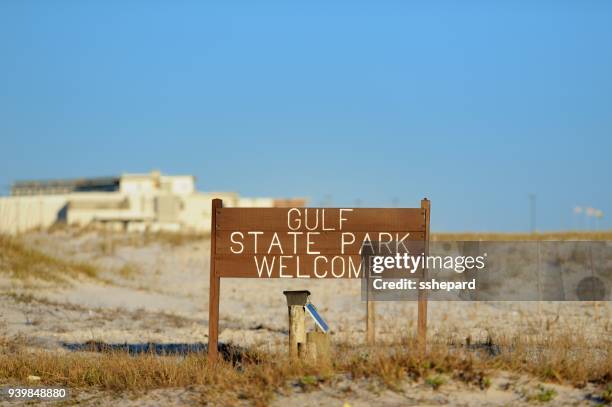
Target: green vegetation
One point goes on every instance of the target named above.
(435, 381)
(606, 395)
(544, 394)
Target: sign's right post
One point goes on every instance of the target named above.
(422, 312)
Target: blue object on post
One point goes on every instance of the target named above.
(317, 318)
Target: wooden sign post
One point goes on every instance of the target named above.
(422, 312)
(305, 243)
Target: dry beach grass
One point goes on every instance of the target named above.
(258, 376)
(24, 262)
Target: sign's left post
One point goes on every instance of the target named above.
(213, 296)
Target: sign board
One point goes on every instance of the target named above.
(303, 243)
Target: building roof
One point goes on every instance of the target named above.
(39, 187)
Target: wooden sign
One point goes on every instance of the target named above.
(305, 243)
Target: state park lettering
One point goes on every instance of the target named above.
(309, 243)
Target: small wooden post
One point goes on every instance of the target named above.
(319, 348)
(297, 329)
(308, 351)
(422, 313)
(370, 322)
(213, 296)
(370, 308)
(539, 283)
(296, 300)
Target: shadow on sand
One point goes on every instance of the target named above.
(229, 352)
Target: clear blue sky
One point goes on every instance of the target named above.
(473, 104)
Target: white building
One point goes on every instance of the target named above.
(132, 202)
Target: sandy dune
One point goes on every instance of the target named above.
(157, 292)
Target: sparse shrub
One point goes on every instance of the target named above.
(543, 395)
(308, 382)
(129, 270)
(606, 395)
(435, 381)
